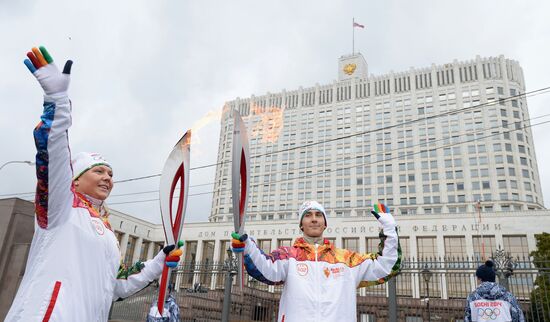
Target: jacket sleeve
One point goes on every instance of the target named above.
(53, 199)
(269, 268)
(379, 268)
(131, 280)
(468, 310)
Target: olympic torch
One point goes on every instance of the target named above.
(176, 169)
(240, 175)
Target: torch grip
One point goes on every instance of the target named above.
(162, 289)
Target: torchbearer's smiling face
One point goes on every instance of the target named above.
(313, 223)
(96, 182)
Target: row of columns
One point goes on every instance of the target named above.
(137, 248)
(417, 283)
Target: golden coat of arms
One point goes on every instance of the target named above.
(349, 68)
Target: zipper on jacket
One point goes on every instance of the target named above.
(316, 247)
(317, 283)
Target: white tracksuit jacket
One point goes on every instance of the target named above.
(74, 259)
(320, 283)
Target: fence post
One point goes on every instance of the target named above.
(392, 299)
(230, 267)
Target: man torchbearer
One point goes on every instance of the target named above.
(320, 280)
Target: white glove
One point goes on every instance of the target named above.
(41, 65)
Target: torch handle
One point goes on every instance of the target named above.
(162, 289)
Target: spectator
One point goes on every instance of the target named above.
(490, 301)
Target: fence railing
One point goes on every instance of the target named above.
(425, 290)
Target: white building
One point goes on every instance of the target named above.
(382, 138)
(366, 138)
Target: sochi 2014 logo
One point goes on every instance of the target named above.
(98, 225)
(302, 269)
(487, 314)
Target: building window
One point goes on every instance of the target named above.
(205, 278)
(119, 235)
(130, 247)
(427, 247)
(516, 245)
(207, 252)
(427, 251)
(224, 245)
(351, 244)
(372, 244)
(144, 250)
(455, 250)
(265, 245)
(284, 242)
(190, 252)
(484, 247)
(455, 247)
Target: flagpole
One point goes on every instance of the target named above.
(353, 36)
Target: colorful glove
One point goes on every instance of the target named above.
(383, 215)
(41, 65)
(237, 243)
(173, 254)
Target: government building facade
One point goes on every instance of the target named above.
(426, 141)
(448, 148)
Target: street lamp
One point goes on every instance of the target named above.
(427, 275)
(10, 162)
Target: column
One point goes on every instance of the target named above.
(123, 245)
(362, 244)
(469, 245)
(198, 262)
(137, 250)
(219, 261)
(338, 241)
(151, 250)
(273, 244)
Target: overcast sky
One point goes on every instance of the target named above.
(146, 71)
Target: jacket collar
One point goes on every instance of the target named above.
(301, 243)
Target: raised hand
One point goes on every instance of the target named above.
(173, 254)
(383, 215)
(41, 65)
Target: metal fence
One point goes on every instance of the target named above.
(425, 290)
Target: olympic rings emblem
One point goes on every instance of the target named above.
(488, 313)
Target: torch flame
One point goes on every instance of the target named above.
(187, 138)
(270, 124)
(202, 122)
